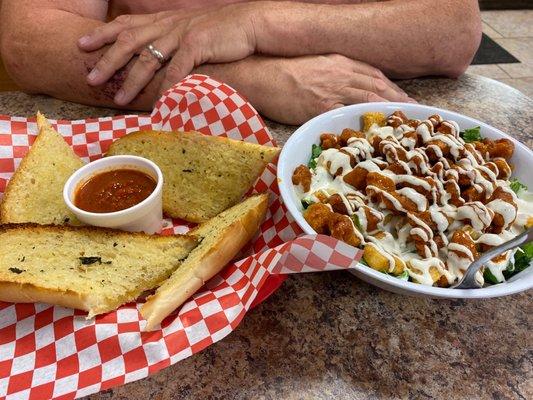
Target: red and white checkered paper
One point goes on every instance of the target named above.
(55, 352)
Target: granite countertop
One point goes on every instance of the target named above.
(330, 335)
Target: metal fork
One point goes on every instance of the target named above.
(468, 281)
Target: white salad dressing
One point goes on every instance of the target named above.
(479, 216)
(525, 208)
(497, 267)
(421, 270)
(416, 221)
(505, 209)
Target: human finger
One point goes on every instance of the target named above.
(181, 64)
(144, 68)
(377, 86)
(366, 69)
(128, 43)
(356, 96)
(109, 32)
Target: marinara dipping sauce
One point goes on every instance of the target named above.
(114, 190)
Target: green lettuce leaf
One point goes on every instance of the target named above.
(517, 186)
(489, 277)
(316, 149)
(357, 223)
(523, 257)
(404, 276)
(471, 135)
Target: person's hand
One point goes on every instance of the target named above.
(293, 90)
(217, 35)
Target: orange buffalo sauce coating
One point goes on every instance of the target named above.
(114, 190)
(302, 176)
(403, 182)
(327, 222)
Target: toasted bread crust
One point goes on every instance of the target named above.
(167, 298)
(28, 293)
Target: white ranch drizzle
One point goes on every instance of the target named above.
(428, 195)
(479, 216)
(505, 209)
(459, 258)
(386, 195)
(525, 209)
(424, 232)
(497, 267)
(454, 127)
(369, 165)
(387, 247)
(420, 270)
(418, 199)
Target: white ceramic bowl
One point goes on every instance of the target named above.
(297, 151)
(147, 216)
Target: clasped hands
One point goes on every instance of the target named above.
(223, 35)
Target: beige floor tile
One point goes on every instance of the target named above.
(521, 48)
(521, 70)
(487, 30)
(511, 23)
(490, 71)
(525, 85)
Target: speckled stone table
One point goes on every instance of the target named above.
(330, 335)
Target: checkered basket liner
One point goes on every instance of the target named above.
(55, 352)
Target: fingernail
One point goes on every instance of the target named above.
(120, 96)
(410, 100)
(84, 40)
(93, 74)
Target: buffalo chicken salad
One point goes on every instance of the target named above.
(423, 198)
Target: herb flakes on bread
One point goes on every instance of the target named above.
(35, 192)
(203, 175)
(91, 269)
(222, 238)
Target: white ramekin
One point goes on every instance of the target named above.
(147, 216)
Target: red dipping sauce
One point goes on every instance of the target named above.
(114, 190)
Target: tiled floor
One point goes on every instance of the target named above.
(513, 30)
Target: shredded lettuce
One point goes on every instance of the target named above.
(489, 276)
(357, 223)
(523, 257)
(316, 149)
(517, 186)
(404, 276)
(471, 135)
(509, 271)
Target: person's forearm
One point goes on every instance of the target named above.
(293, 90)
(41, 55)
(242, 75)
(403, 38)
